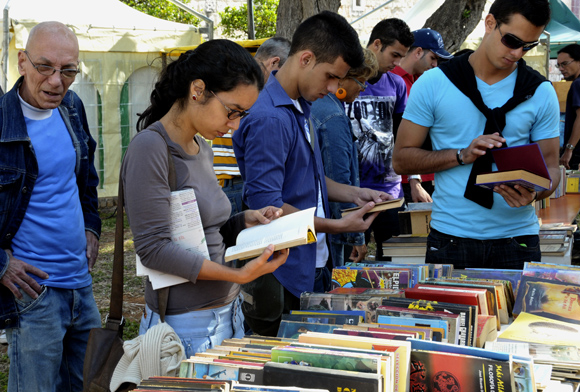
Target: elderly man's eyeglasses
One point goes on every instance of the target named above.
(360, 84)
(232, 113)
(564, 63)
(47, 70)
(513, 42)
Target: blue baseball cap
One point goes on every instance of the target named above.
(431, 40)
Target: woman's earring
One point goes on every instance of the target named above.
(340, 93)
(194, 97)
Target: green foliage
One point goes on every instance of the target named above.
(163, 9)
(234, 20)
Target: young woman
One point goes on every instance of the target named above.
(339, 151)
(202, 94)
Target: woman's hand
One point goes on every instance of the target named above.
(261, 266)
(262, 216)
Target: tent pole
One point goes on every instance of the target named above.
(5, 46)
(208, 21)
(251, 26)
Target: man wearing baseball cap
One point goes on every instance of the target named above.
(425, 53)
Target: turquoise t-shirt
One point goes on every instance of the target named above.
(52, 234)
(454, 122)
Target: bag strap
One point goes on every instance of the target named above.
(115, 319)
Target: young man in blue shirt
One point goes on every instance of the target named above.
(471, 226)
(281, 163)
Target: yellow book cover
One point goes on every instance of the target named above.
(536, 329)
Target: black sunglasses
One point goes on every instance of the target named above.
(513, 42)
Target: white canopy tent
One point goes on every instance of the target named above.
(118, 46)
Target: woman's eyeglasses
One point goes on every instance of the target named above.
(513, 42)
(232, 113)
(360, 84)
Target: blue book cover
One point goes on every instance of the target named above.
(412, 321)
(418, 344)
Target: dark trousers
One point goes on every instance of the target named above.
(385, 226)
(502, 253)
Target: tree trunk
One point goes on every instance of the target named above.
(293, 12)
(455, 20)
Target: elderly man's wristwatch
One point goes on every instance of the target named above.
(570, 146)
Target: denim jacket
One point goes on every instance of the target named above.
(339, 155)
(19, 170)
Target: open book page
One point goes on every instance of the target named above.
(186, 231)
(286, 231)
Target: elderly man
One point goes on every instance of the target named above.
(271, 55)
(49, 223)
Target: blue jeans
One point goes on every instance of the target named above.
(233, 190)
(504, 253)
(47, 351)
(201, 329)
(340, 254)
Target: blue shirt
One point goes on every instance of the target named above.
(453, 122)
(54, 207)
(279, 166)
(339, 155)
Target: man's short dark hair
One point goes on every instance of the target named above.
(273, 47)
(391, 30)
(573, 51)
(329, 36)
(537, 12)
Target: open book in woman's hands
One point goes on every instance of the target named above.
(285, 232)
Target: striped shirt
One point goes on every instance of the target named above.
(224, 160)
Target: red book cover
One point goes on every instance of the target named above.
(526, 157)
(443, 296)
(437, 371)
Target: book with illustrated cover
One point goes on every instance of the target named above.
(513, 276)
(481, 294)
(412, 331)
(334, 319)
(373, 333)
(285, 232)
(208, 369)
(439, 327)
(440, 371)
(519, 165)
(549, 298)
(467, 315)
(557, 272)
(371, 277)
(292, 329)
(400, 349)
(332, 301)
(451, 319)
(382, 206)
(531, 328)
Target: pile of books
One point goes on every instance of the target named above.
(547, 318)
(556, 241)
(406, 248)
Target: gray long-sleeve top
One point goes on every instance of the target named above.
(145, 174)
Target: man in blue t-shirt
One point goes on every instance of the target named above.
(569, 66)
(471, 226)
(375, 116)
(49, 222)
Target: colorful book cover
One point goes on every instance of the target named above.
(292, 329)
(444, 296)
(381, 278)
(531, 328)
(437, 325)
(372, 334)
(438, 371)
(452, 319)
(334, 319)
(513, 276)
(467, 315)
(365, 302)
(548, 298)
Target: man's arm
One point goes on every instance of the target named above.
(410, 158)
(573, 139)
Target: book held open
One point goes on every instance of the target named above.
(285, 232)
